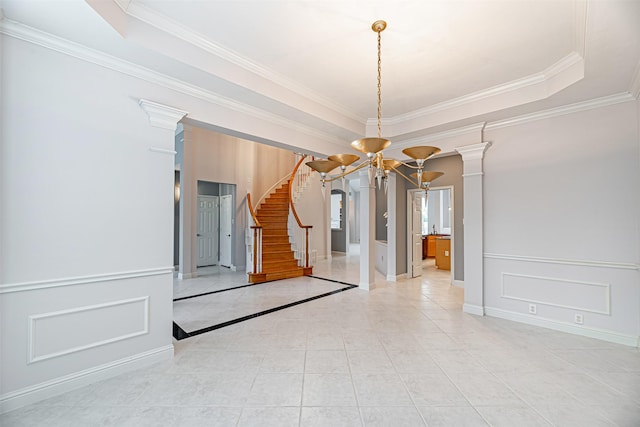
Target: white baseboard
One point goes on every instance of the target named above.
(26, 396)
(473, 309)
(184, 276)
(458, 283)
(395, 278)
(615, 337)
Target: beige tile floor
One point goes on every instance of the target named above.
(403, 354)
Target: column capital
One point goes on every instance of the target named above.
(364, 179)
(474, 151)
(162, 116)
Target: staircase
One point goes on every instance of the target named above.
(278, 261)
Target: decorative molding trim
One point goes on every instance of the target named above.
(512, 86)
(581, 10)
(634, 87)
(422, 140)
(184, 276)
(562, 110)
(165, 24)
(585, 263)
(607, 302)
(66, 47)
(523, 83)
(162, 116)
(163, 151)
(610, 336)
(396, 277)
(473, 152)
(19, 398)
(473, 309)
(33, 320)
(458, 283)
(83, 280)
(367, 286)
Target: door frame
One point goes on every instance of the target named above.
(215, 244)
(231, 266)
(410, 251)
(452, 221)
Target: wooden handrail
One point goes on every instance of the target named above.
(293, 207)
(257, 230)
(253, 211)
(295, 213)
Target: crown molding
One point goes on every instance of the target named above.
(545, 83)
(162, 116)
(473, 152)
(31, 35)
(560, 111)
(527, 82)
(138, 11)
(453, 133)
(581, 13)
(563, 71)
(634, 88)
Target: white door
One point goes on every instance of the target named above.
(225, 229)
(207, 234)
(416, 233)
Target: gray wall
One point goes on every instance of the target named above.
(206, 188)
(381, 208)
(452, 168)
(339, 237)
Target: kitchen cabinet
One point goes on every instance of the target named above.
(443, 253)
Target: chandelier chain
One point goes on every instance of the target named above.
(373, 147)
(379, 87)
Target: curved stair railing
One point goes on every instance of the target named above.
(300, 232)
(267, 258)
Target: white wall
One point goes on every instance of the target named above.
(562, 215)
(86, 262)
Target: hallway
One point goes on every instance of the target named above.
(402, 354)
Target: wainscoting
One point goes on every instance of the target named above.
(590, 298)
(62, 334)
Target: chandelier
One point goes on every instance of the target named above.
(372, 147)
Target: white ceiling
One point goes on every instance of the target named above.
(445, 64)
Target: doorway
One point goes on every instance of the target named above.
(207, 234)
(212, 245)
(433, 231)
(226, 222)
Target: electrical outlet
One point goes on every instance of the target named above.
(577, 318)
(533, 309)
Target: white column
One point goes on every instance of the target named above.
(367, 232)
(326, 200)
(392, 218)
(473, 224)
(188, 211)
(165, 117)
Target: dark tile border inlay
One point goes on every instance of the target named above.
(218, 291)
(180, 334)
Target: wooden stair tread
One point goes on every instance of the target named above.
(278, 260)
